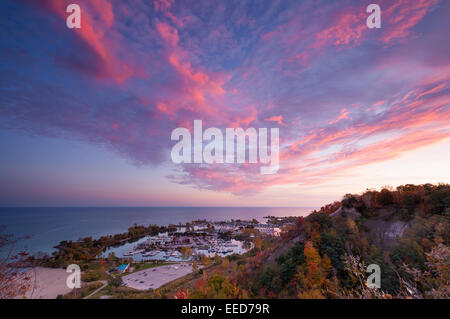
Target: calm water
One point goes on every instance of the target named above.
(48, 226)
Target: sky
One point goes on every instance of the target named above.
(86, 114)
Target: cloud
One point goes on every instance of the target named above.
(401, 16)
(343, 95)
(97, 33)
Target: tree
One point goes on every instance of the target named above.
(349, 201)
(13, 282)
(205, 260)
(312, 276)
(91, 275)
(315, 238)
(186, 251)
(111, 256)
(357, 272)
(288, 262)
(313, 262)
(326, 264)
(181, 294)
(434, 282)
(257, 242)
(439, 199)
(271, 281)
(218, 287)
(115, 281)
(225, 263)
(385, 197)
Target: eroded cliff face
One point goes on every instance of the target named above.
(383, 229)
(385, 233)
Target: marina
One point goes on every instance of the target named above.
(193, 240)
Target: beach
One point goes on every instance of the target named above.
(47, 283)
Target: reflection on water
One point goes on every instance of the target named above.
(236, 247)
(46, 227)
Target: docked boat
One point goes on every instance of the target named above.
(133, 252)
(150, 253)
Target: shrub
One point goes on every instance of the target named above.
(90, 275)
(439, 199)
(349, 201)
(384, 198)
(115, 282)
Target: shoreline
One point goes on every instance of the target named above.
(40, 229)
(47, 283)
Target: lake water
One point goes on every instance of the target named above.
(46, 227)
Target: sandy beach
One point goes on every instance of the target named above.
(47, 283)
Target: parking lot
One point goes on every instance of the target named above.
(153, 278)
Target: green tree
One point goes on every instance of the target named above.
(115, 281)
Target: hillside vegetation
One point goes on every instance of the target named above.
(325, 255)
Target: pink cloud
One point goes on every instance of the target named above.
(270, 69)
(410, 124)
(277, 119)
(342, 116)
(401, 16)
(97, 25)
(200, 91)
(346, 29)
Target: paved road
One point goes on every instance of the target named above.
(104, 282)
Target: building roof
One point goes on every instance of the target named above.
(123, 267)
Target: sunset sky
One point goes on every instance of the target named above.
(86, 114)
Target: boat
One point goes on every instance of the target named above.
(149, 253)
(133, 252)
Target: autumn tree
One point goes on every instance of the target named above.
(434, 282)
(218, 287)
(225, 263)
(186, 251)
(312, 276)
(217, 259)
(384, 197)
(13, 282)
(357, 271)
(257, 242)
(181, 294)
(111, 256)
(205, 260)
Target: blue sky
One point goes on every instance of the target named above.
(86, 114)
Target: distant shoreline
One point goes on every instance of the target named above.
(49, 226)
